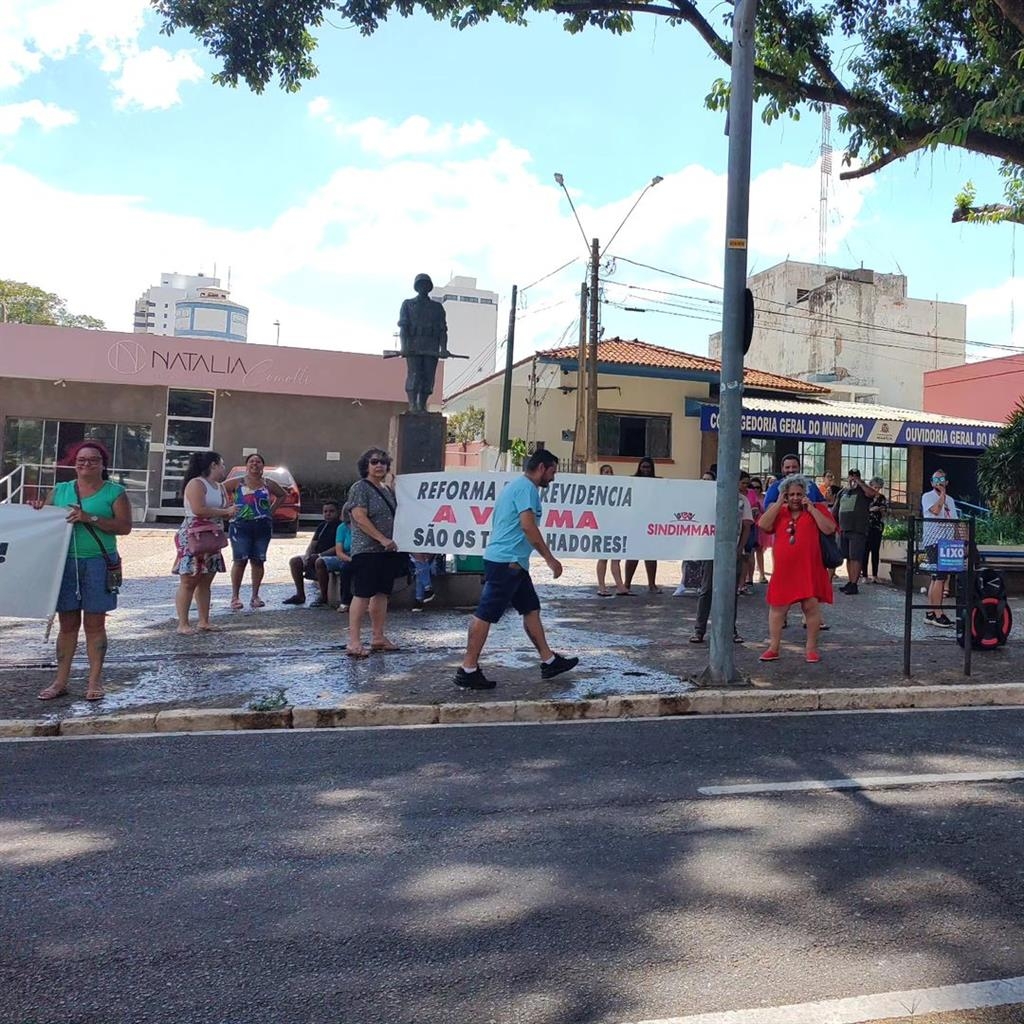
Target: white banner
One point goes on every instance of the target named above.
(33, 549)
(587, 517)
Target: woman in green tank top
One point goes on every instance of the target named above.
(100, 512)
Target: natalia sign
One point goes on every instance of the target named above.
(588, 517)
(859, 430)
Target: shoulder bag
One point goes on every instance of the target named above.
(831, 553)
(115, 572)
(400, 562)
(205, 537)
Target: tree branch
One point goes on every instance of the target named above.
(993, 213)
(1013, 12)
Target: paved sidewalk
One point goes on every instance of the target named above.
(627, 646)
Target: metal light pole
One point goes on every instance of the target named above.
(722, 668)
(585, 440)
(277, 324)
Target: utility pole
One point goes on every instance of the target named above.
(721, 670)
(595, 316)
(579, 437)
(506, 394)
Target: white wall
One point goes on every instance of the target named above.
(861, 327)
(472, 317)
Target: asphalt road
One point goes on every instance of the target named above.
(522, 875)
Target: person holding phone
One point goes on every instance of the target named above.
(101, 513)
(936, 504)
(799, 575)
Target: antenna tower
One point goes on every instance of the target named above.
(826, 175)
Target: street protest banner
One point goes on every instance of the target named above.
(588, 517)
(33, 549)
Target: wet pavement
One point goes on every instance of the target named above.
(295, 655)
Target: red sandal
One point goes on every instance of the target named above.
(770, 655)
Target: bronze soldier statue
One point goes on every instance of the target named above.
(423, 330)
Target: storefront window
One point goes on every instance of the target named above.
(189, 429)
(758, 456)
(812, 458)
(41, 446)
(878, 460)
(624, 435)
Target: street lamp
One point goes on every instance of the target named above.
(585, 437)
(277, 324)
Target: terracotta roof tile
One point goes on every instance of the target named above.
(624, 352)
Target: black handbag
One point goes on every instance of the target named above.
(831, 554)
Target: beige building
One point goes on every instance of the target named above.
(649, 402)
(855, 331)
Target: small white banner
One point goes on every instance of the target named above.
(33, 549)
(587, 517)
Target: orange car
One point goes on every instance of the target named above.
(286, 515)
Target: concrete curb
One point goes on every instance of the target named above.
(695, 702)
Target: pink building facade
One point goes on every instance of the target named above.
(152, 400)
(987, 390)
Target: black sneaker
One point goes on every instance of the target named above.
(294, 599)
(428, 595)
(558, 666)
(474, 680)
(944, 621)
(850, 588)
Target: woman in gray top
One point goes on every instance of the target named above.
(375, 562)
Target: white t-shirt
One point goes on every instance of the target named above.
(746, 514)
(933, 532)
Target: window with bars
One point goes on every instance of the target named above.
(879, 460)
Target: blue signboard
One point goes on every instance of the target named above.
(952, 556)
(813, 426)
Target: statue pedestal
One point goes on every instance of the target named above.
(417, 441)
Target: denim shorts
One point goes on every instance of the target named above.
(250, 539)
(332, 563)
(506, 584)
(83, 587)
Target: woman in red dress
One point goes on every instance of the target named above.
(798, 572)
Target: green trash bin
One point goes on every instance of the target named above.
(469, 563)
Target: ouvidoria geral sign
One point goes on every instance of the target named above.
(857, 430)
(589, 517)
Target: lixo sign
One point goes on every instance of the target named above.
(856, 430)
(951, 556)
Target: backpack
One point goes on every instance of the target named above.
(988, 610)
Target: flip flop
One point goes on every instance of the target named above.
(51, 693)
(604, 593)
(624, 593)
(257, 602)
(236, 604)
(386, 648)
(812, 657)
(95, 694)
(361, 653)
(769, 655)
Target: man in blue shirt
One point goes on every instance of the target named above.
(791, 465)
(515, 535)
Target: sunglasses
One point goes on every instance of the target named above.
(380, 462)
(791, 530)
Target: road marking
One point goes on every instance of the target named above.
(869, 1008)
(862, 782)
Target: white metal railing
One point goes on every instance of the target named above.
(12, 486)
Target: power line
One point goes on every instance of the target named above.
(552, 273)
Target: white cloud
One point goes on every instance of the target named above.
(46, 115)
(151, 79)
(334, 268)
(415, 136)
(33, 32)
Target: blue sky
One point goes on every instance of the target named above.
(423, 148)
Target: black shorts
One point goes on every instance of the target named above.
(853, 546)
(506, 584)
(374, 572)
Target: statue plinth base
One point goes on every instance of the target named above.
(417, 441)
